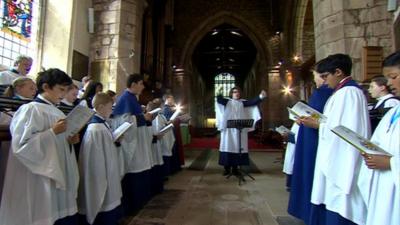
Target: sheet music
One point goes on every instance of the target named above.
(363, 145)
(165, 129)
(117, 133)
(300, 109)
(77, 119)
(176, 113)
(282, 130)
(154, 111)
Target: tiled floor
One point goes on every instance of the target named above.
(205, 197)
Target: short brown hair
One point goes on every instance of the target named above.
(101, 99)
(234, 88)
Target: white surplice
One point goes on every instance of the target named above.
(168, 140)
(234, 110)
(157, 125)
(381, 188)
(7, 77)
(42, 174)
(337, 162)
(99, 167)
(290, 151)
(128, 142)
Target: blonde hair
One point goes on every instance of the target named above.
(19, 82)
(101, 99)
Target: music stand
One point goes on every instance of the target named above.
(240, 124)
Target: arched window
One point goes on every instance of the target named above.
(224, 82)
(19, 23)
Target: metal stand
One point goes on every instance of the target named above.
(240, 124)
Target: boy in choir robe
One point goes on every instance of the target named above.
(289, 153)
(100, 184)
(380, 176)
(22, 66)
(379, 89)
(304, 158)
(137, 147)
(232, 109)
(335, 196)
(42, 174)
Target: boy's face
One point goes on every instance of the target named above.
(375, 90)
(137, 88)
(393, 75)
(54, 94)
(332, 79)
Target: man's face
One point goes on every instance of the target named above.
(236, 94)
(393, 75)
(24, 66)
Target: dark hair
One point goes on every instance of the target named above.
(52, 77)
(90, 91)
(133, 78)
(392, 60)
(333, 62)
(234, 88)
(380, 80)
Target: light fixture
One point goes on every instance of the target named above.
(236, 33)
(287, 90)
(231, 48)
(296, 58)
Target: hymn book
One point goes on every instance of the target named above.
(77, 119)
(362, 144)
(154, 111)
(303, 110)
(283, 130)
(117, 133)
(165, 129)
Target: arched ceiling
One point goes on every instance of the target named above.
(224, 49)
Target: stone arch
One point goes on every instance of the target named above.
(263, 58)
(304, 42)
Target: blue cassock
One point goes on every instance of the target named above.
(128, 103)
(304, 160)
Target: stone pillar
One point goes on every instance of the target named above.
(345, 26)
(116, 44)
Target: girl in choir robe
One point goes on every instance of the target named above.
(380, 176)
(71, 98)
(137, 149)
(335, 196)
(289, 154)
(100, 177)
(232, 109)
(42, 174)
(92, 88)
(21, 88)
(304, 159)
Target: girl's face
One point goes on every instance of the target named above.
(27, 90)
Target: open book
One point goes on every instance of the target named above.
(300, 109)
(360, 143)
(117, 133)
(77, 119)
(282, 130)
(154, 111)
(165, 129)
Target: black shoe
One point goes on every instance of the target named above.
(226, 172)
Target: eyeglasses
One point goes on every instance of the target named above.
(324, 75)
(235, 92)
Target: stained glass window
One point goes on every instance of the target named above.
(224, 82)
(17, 29)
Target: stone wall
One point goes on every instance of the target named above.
(346, 26)
(115, 46)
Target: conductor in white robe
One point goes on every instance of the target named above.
(335, 196)
(235, 108)
(100, 176)
(380, 175)
(42, 175)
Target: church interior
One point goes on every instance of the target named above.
(196, 50)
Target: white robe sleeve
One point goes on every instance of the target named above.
(94, 181)
(341, 160)
(34, 147)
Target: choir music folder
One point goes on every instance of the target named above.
(362, 144)
(117, 133)
(165, 129)
(300, 109)
(283, 130)
(77, 119)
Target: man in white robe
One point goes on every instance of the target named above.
(380, 176)
(22, 66)
(231, 154)
(100, 183)
(335, 196)
(42, 174)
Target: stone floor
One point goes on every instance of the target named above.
(200, 195)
